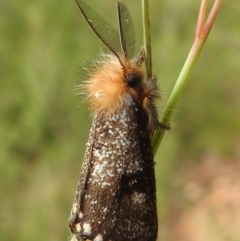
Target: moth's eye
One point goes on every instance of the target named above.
(133, 80)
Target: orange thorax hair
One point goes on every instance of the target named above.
(107, 87)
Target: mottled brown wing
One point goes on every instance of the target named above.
(74, 214)
(118, 202)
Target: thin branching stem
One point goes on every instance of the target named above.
(202, 31)
(212, 16)
(201, 18)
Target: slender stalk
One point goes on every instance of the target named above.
(212, 16)
(177, 91)
(147, 38)
(201, 18)
(202, 32)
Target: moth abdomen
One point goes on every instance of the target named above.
(120, 187)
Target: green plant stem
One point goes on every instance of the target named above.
(177, 91)
(147, 38)
(202, 31)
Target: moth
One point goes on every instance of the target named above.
(116, 194)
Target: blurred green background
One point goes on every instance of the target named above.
(44, 124)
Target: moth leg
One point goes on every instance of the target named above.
(164, 127)
(153, 94)
(141, 57)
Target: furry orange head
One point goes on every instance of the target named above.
(114, 76)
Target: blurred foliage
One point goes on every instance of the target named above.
(44, 125)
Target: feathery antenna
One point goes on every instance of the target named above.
(122, 43)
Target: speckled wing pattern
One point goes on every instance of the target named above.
(116, 195)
